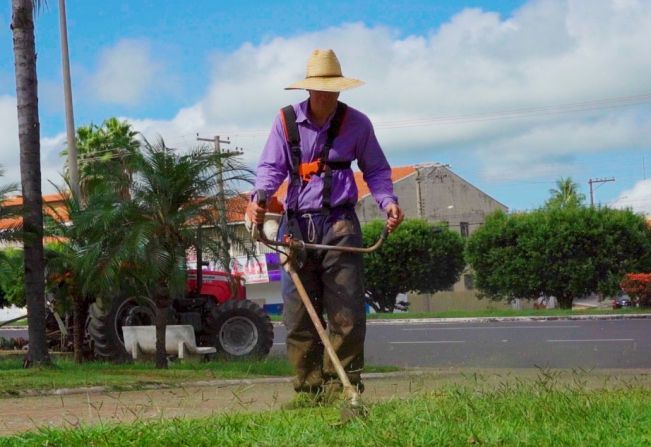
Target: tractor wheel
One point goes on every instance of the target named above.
(239, 329)
(105, 325)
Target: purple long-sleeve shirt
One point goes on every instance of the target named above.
(356, 140)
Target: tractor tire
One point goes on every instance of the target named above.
(105, 325)
(240, 329)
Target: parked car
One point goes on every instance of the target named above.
(623, 301)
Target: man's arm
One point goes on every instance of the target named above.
(377, 175)
(272, 169)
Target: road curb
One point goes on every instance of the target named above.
(217, 383)
(390, 321)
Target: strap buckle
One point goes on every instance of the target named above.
(307, 170)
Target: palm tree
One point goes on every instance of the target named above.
(22, 26)
(169, 197)
(565, 195)
(67, 263)
(105, 153)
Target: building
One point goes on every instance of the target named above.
(429, 191)
(434, 193)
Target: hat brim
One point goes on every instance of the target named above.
(330, 84)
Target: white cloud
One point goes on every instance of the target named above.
(51, 162)
(9, 153)
(637, 198)
(550, 52)
(125, 73)
(454, 79)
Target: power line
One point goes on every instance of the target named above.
(597, 104)
(526, 112)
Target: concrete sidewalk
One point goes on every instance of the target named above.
(88, 406)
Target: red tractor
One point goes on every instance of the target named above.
(228, 321)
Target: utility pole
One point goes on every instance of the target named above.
(73, 167)
(221, 200)
(643, 168)
(597, 180)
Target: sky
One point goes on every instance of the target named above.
(513, 95)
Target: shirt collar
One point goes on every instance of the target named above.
(301, 113)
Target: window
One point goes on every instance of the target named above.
(464, 228)
(468, 281)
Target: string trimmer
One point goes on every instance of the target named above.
(292, 249)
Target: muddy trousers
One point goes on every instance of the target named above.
(334, 283)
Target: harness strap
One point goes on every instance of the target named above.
(301, 173)
(333, 131)
(307, 170)
(288, 116)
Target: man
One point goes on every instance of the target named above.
(313, 143)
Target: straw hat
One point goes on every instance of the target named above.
(324, 74)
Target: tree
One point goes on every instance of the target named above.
(417, 257)
(565, 195)
(151, 230)
(22, 26)
(12, 269)
(562, 252)
(70, 263)
(638, 286)
(12, 282)
(106, 153)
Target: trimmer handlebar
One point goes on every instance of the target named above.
(301, 245)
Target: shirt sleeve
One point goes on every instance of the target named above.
(273, 166)
(375, 167)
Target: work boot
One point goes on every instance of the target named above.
(302, 400)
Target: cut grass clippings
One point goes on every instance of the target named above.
(66, 374)
(538, 413)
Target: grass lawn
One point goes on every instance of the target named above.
(66, 374)
(525, 413)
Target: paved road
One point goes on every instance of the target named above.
(523, 344)
(13, 333)
(553, 344)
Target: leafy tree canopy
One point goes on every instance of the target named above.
(417, 257)
(638, 287)
(12, 275)
(564, 252)
(12, 278)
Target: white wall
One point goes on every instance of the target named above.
(11, 312)
(264, 293)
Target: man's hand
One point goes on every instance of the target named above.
(394, 216)
(256, 213)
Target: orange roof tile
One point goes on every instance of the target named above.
(53, 206)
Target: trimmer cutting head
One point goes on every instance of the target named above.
(353, 408)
